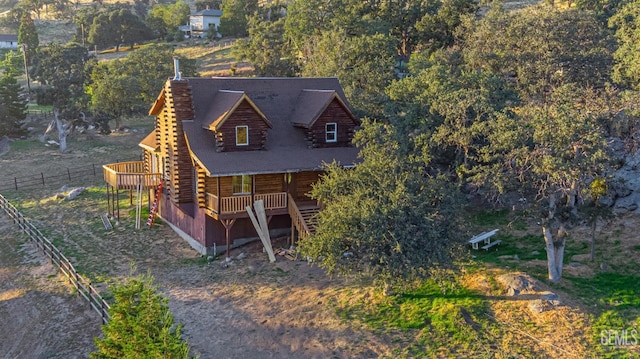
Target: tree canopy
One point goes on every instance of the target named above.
(117, 27)
(141, 325)
(13, 106)
(389, 219)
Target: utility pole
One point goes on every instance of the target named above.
(26, 68)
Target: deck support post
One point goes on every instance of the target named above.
(118, 203)
(228, 223)
(108, 200)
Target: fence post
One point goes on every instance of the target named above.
(15, 181)
(94, 169)
(42, 175)
(69, 173)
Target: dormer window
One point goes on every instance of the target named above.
(331, 132)
(242, 135)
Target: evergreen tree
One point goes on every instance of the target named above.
(141, 325)
(13, 108)
(28, 37)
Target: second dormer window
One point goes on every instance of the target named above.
(242, 135)
(331, 132)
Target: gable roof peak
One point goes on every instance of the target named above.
(223, 104)
(312, 103)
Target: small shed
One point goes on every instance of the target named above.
(8, 41)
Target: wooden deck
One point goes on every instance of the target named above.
(128, 175)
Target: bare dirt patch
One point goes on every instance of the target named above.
(41, 317)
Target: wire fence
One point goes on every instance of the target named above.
(42, 179)
(81, 284)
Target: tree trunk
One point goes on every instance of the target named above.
(559, 247)
(592, 253)
(62, 135)
(555, 249)
(573, 198)
(552, 267)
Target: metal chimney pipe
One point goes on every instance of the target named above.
(176, 68)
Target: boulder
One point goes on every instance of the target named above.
(627, 204)
(517, 283)
(74, 193)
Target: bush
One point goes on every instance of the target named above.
(141, 325)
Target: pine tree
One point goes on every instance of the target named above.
(141, 325)
(28, 36)
(13, 108)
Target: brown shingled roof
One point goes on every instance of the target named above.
(223, 105)
(277, 99)
(311, 104)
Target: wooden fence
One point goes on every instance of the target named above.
(43, 179)
(82, 285)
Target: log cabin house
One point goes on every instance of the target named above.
(219, 144)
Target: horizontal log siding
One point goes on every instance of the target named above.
(226, 187)
(244, 115)
(271, 183)
(211, 185)
(334, 113)
(177, 107)
(304, 180)
(202, 176)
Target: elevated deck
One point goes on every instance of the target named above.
(128, 175)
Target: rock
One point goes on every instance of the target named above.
(517, 283)
(574, 264)
(515, 257)
(74, 193)
(626, 204)
(241, 256)
(538, 306)
(535, 253)
(546, 302)
(604, 267)
(581, 257)
(620, 189)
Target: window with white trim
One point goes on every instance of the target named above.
(331, 132)
(241, 184)
(242, 135)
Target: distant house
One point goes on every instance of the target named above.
(220, 144)
(201, 22)
(8, 41)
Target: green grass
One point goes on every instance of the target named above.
(609, 290)
(453, 319)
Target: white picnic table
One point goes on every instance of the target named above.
(486, 238)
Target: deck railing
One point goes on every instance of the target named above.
(237, 204)
(297, 219)
(127, 175)
(273, 200)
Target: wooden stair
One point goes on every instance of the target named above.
(308, 215)
(303, 217)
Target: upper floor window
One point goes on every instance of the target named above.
(331, 132)
(241, 184)
(242, 135)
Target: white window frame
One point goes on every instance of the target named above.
(334, 132)
(247, 133)
(243, 184)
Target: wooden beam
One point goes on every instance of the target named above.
(228, 223)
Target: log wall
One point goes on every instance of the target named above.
(334, 113)
(243, 115)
